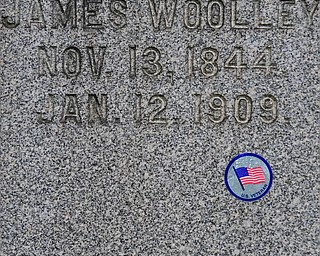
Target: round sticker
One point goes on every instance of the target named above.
(248, 177)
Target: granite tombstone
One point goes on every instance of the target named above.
(118, 119)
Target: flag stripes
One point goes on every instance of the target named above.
(255, 176)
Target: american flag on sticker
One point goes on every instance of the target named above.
(247, 175)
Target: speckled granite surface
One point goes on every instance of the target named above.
(141, 181)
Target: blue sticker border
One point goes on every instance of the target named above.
(231, 163)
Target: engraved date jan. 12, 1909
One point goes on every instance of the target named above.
(157, 108)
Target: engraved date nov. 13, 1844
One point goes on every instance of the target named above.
(199, 62)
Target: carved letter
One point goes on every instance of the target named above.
(98, 109)
(71, 109)
(219, 23)
(188, 21)
(257, 18)
(284, 21)
(12, 22)
(96, 63)
(118, 9)
(47, 117)
(36, 14)
(59, 15)
(90, 13)
(71, 61)
(234, 23)
(312, 11)
(162, 12)
(46, 62)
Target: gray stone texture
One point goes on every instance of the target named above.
(140, 188)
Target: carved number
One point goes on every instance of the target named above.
(269, 107)
(218, 106)
(156, 115)
(209, 57)
(152, 56)
(243, 109)
(235, 61)
(263, 61)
